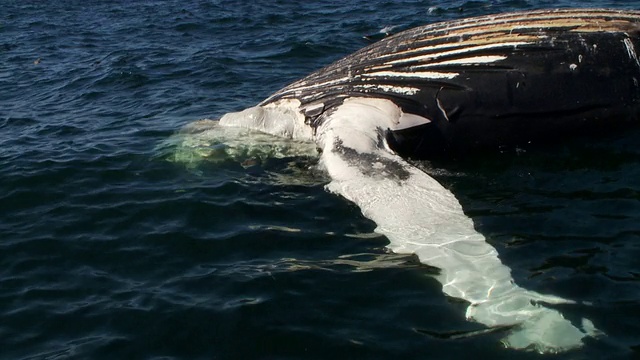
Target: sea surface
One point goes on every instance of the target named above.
(112, 247)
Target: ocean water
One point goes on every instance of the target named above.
(112, 247)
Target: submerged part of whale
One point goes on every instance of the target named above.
(449, 88)
(492, 81)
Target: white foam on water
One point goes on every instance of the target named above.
(420, 216)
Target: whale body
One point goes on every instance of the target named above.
(490, 82)
(448, 89)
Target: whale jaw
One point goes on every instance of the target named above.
(282, 118)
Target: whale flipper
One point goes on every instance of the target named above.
(418, 215)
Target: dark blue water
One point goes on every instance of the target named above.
(110, 250)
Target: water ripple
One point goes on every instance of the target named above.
(109, 250)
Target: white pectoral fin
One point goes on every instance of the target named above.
(418, 215)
